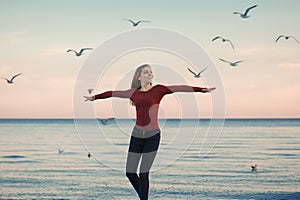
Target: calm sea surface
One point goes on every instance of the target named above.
(31, 166)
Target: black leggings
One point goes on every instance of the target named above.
(142, 148)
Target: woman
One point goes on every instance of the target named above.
(145, 136)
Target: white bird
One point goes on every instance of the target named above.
(254, 168)
(233, 64)
(286, 37)
(90, 91)
(105, 121)
(223, 40)
(60, 151)
(245, 14)
(11, 81)
(136, 23)
(197, 75)
(80, 53)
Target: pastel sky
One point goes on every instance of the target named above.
(35, 35)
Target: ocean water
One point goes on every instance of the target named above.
(32, 168)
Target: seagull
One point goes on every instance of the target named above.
(105, 121)
(89, 154)
(223, 40)
(286, 37)
(80, 52)
(11, 81)
(195, 74)
(90, 91)
(233, 64)
(60, 151)
(254, 168)
(245, 15)
(136, 23)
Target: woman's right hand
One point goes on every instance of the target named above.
(92, 98)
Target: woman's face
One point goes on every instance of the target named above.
(146, 75)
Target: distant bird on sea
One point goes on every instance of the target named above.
(245, 14)
(90, 91)
(197, 75)
(254, 168)
(223, 40)
(105, 121)
(286, 37)
(233, 64)
(11, 81)
(80, 53)
(60, 151)
(136, 23)
(89, 154)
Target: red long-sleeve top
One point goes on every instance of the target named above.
(147, 102)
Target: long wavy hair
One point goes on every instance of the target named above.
(136, 83)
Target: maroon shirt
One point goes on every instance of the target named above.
(147, 102)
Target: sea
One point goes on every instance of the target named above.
(66, 159)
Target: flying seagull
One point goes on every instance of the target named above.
(11, 81)
(80, 52)
(233, 64)
(136, 23)
(223, 40)
(197, 75)
(245, 15)
(286, 37)
(105, 121)
(254, 168)
(90, 91)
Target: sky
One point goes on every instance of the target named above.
(35, 35)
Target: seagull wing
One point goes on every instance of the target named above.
(230, 44)
(237, 62)
(4, 78)
(294, 39)
(192, 71)
(279, 38)
(15, 76)
(71, 50)
(237, 13)
(83, 49)
(202, 70)
(216, 38)
(130, 21)
(224, 60)
(248, 9)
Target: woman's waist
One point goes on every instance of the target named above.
(144, 133)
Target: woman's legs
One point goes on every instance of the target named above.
(145, 148)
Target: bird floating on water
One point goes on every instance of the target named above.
(286, 37)
(245, 14)
(233, 64)
(11, 81)
(80, 53)
(136, 23)
(197, 75)
(223, 40)
(105, 121)
(254, 168)
(60, 151)
(89, 154)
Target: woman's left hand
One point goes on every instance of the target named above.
(208, 89)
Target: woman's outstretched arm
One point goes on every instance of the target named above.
(185, 88)
(108, 94)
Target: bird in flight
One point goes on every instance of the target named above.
(90, 91)
(233, 64)
(245, 14)
(286, 37)
(136, 23)
(223, 40)
(105, 121)
(80, 53)
(11, 81)
(197, 75)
